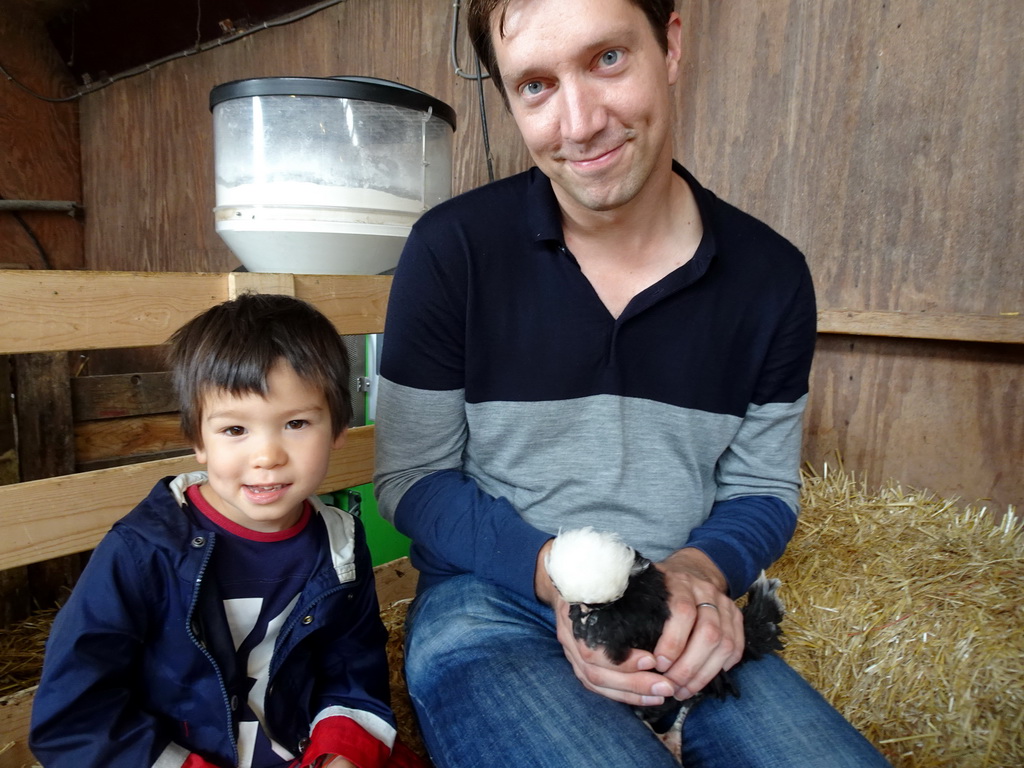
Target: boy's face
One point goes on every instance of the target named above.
(264, 456)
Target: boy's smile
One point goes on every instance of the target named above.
(265, 455)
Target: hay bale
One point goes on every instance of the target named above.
(21, 651)
(393, 616)
(906, 612)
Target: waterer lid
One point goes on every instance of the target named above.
(341, 87)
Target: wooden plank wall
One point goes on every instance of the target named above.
(39, 161)
(39, 148)
(882, 138)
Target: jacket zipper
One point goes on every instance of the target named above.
(188, 630)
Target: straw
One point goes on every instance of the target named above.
(905, 611)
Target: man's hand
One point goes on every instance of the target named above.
(630, 682)
(703, 635)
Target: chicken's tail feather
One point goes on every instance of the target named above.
(761, 618)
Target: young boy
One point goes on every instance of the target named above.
(231, 619)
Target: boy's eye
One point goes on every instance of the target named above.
(297, 423)
(233, 431)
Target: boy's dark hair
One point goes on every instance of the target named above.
(233, 346)
(479, 13)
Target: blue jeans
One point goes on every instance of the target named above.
(491, 687)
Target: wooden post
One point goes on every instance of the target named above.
(15, 601)
(46, 448)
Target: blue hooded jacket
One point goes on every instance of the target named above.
(140, 667)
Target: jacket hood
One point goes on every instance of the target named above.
(175, 533)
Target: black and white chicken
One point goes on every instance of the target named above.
(618, 601)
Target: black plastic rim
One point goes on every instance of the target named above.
(342, 87)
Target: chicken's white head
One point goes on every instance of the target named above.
(590, 567)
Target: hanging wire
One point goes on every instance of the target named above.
(480, 76)
(199, 48)
(43, 256)
(483, 121)
(39, 96)
(199, 19)
(456, 5)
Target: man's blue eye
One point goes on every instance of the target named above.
(533, 88)
(610, 57)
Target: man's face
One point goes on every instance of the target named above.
(588, 85)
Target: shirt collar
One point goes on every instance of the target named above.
(545, 218)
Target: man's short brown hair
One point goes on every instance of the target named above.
(480, 12)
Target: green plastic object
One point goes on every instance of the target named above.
(385, 542)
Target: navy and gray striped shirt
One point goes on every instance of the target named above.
(514, 404)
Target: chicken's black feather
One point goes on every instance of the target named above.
(637, 618)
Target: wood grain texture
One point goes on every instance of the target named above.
(44, 519)
(40, 157)
(882, 138)
(395, 581)
(991, 329)
(118, 396)
(948, 417)
(52, 310)
(15, 713)
(90, 310)
(44, 419)
(127, 437)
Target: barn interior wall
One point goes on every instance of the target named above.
(881, 138)
(39, 148)
(39, 162)
(884, 140)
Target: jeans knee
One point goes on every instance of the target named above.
(460, 621)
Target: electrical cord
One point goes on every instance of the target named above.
(456, 5)
(483, 121)
(198, 48)
(39, 96)
(479, 77)
(31, 236)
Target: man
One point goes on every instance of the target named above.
(598, 341)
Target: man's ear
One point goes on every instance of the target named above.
(339, 439)
(675, 47)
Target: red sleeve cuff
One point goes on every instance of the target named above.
(344, 736)
(195, 761)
